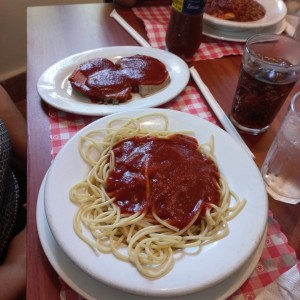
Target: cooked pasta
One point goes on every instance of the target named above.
(142, 237)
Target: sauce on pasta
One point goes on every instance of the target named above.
(167, 176)
(150, 192)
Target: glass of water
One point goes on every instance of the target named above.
(281, 168)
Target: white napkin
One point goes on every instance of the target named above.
(286, 287)
(129, 29)
(291, 23)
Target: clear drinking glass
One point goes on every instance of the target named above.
(269, 70)
(281, 168)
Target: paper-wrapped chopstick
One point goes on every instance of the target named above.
(129, 29)
(220, 114)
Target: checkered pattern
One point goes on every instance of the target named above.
(277, 258)
(156, 20)
(64, 125)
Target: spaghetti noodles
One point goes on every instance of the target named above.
(146, 238)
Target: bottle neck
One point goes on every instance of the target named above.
(189, 7)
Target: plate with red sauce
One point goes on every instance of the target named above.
(91, 289)
(194, 270)
(275, 12)
(56, 90)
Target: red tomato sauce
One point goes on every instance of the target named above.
(168, 176)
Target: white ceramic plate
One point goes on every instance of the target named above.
(191, 273)
(55, 89)
(91, 289)
(242, 36)
(275, 12)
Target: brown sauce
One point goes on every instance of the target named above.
(168, 176)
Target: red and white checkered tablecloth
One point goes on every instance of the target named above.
(156, 20)
(64, 125)
(277, 256)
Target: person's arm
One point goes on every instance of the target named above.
(13, 270)
(15, 124)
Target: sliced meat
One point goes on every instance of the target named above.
(101, 81)
(142, 69)
(105, 82)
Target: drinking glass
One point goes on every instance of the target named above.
(281, 168)
(269, 70)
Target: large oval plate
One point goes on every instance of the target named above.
(192, 271)
(275, 12)
(55, 89)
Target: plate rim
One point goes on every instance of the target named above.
(58, 97)
(212, 32)
(51, 217)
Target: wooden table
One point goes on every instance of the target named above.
(56, 32)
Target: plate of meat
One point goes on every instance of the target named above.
(238, 15)
(108, 80)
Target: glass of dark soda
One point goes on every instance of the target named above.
(269, 70)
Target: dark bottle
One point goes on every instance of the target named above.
(184, 32)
